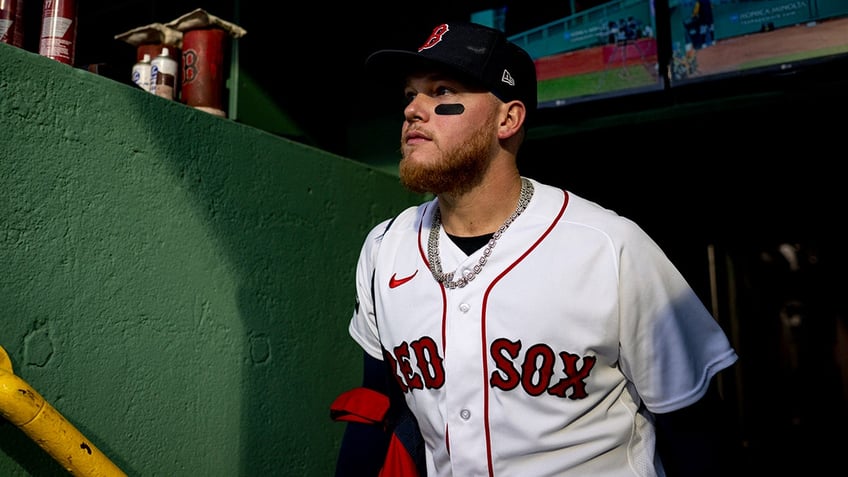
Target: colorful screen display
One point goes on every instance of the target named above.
(711, 39)
(602, 51)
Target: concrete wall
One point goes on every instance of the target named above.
(175, 284)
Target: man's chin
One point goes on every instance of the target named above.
(419, 179)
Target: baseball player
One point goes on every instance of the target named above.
(530, 331)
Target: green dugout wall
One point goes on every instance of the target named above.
(175, 284)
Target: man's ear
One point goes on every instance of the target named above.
(514, 115)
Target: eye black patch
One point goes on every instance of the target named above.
(447, 109)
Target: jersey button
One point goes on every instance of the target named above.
(464, 307)
(465, 414)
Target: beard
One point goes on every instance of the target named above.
(456, 171)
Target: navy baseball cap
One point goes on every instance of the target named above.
(478, 54)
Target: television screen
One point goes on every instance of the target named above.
(607, 49)
(713, 39)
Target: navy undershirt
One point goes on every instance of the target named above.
(470, 245)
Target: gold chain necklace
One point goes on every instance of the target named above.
(433, 244)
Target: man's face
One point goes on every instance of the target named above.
(449, 134)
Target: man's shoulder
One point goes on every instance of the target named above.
(407, 219)
(576, 207)
(580, 211)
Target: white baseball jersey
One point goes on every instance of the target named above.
(544, 363)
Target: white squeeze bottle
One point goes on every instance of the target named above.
(164, 69)
(141, 73)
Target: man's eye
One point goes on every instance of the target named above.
(408, 98)
(443, 90)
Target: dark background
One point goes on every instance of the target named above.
(308, 56)
(308, 59)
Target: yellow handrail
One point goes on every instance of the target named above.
(21, 405)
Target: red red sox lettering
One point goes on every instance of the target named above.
(535, 372)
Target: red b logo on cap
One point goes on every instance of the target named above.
(435, 37)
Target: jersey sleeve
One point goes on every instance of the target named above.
(363, 323)
(670, 344)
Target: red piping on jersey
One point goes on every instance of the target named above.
(483, 331)
(444, 296)
(444, 309)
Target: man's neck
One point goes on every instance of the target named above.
(482, 210)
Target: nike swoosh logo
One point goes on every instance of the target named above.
(395, 282)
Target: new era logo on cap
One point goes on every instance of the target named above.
(478, 54)
(507, 78)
